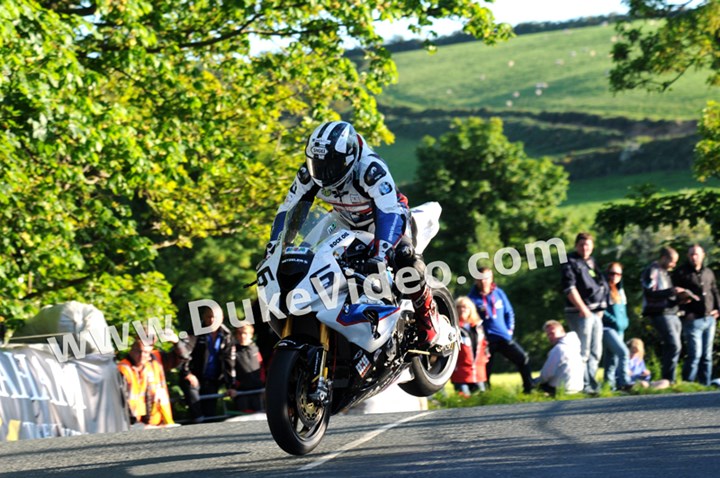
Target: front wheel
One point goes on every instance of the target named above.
(431, 372)
(296, 423)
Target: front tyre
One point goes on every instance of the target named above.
(432, 372)
(296, 423)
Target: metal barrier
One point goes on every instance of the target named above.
(214, 396)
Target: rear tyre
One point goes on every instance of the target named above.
(296, 424)
(432, 372)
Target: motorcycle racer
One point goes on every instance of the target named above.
(342, 170)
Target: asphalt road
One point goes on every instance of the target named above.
(634, 436)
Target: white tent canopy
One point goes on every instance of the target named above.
(72, 317)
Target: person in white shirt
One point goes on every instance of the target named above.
(564, 367)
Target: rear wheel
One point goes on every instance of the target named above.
(296, 423)
(431, 372)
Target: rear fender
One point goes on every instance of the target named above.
(424, 224)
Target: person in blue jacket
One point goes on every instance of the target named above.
(615, 322)
(499, 324)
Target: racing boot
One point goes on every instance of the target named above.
(426, 318)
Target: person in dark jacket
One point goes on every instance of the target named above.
(247, 392)
(498, 319)
(615, 322)
(699, 313)
(586, 292)
(660, 305)
(211, 364)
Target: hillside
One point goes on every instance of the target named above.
(551, 89)
(568, 67)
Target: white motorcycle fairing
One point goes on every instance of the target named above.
(365, 319)
(331, 290)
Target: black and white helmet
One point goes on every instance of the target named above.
(331, 151)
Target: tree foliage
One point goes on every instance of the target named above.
(653, 59)
(131, 126)
(652, 211)
(486, 183)
(653, 56)
(215, 268)
(707, 151)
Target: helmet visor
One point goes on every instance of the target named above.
(329, 170)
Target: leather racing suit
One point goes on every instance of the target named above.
(369, 200)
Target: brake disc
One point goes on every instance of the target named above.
(309, 413)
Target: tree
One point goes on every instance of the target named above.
(129, 127)
(217, 268)
(653, 58)
(654, 210)
(707, 151)
(486, 183)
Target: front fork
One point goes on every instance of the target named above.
(317, 359)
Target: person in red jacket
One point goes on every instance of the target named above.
(470, 374)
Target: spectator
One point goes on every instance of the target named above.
(211, 364)
(249, 374)
(498, 318)
(660, 305)
(615, 322)
(586, 292)
(564, 367)
(699, 313)
(470, 372)
(147, 394)
(637, 369)
(175, 357)
(265, 337)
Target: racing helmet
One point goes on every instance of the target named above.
(331, 152)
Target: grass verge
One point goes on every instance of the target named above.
(507, 390)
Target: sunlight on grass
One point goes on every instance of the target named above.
(507, 388)
(594, 192)
(587, 196)
(571, 70)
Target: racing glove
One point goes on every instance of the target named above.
(373, 265)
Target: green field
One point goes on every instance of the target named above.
(400, 156)
(574, 65)
(587, 196)
(574, 119)
(611, 188)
